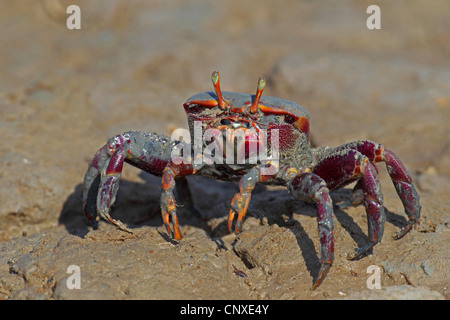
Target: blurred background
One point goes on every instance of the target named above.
(133, 64)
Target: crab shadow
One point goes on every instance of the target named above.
(288, 206)
(138, 204)
(358, 235)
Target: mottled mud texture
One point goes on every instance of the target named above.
(63, 93)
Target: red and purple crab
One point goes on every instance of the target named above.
(309, 173)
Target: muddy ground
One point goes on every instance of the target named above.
(133, 64)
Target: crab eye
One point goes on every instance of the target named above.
(225, 122)
(246, 124)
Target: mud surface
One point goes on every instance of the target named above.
(132, 65)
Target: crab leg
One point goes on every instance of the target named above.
(344, 166)
(150, 152)
(90, 185)
(168, 203)
(405, 189)
(106, 168)
(310, 187)
(399, 175)
(109, 185)
(240, 201)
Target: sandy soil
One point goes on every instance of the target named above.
(132, 65)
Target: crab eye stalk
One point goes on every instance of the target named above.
(216, 84)
(259, 90)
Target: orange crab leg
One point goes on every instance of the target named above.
(240, 201)
(239, 204)
(168, 203)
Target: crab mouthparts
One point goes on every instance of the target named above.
(239, 146)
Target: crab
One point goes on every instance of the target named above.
(309, 173)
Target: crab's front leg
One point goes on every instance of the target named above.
(240, 201)
(101, 181)
(264, 172)
(168, 202)
(148, 151)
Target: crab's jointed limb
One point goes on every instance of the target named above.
(168, 202)
(399, 175)
(240, 201)
(405, 189)
(342, 166)
(310, 187)
(148, 151)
